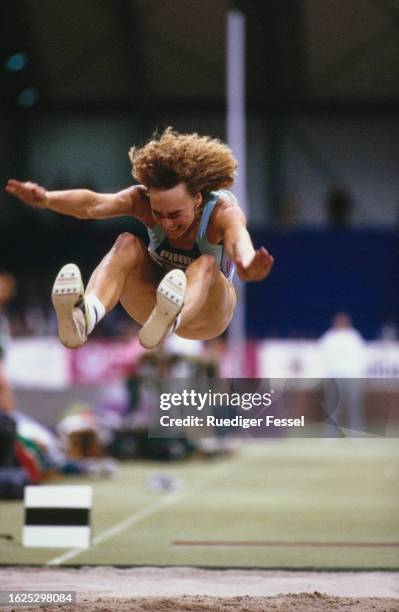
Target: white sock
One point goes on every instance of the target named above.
(95, 310)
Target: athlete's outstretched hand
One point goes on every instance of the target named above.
(31, 193)
(258, 268)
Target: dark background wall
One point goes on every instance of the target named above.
(323, 112)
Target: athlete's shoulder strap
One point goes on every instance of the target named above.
(208, 209)
(156, 234)
(206, 213)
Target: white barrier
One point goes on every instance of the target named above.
(302, 359)
(43, 363)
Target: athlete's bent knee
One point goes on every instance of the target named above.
(207, 265)
(127, 241)
(128, 247)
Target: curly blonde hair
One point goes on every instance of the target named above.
(201, 162)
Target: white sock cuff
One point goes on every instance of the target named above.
(95, 311)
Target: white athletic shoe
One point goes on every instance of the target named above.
(170, 299)
(67, 297)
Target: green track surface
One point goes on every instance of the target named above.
(293, 491)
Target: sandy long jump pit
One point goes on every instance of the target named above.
(192, 589)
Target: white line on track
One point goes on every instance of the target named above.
(169, 500)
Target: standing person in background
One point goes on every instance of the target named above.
(7, 403)
(7, 292)
(183, 281)
(342, 351)
(339, 207)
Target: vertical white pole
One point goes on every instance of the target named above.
(236, 138)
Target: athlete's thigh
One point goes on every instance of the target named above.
(139, 293)
(216, 313)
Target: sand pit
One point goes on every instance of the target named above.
(191, 589)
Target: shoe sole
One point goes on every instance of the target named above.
(170, 300)
(67, 291)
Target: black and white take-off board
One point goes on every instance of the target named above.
(57, 516)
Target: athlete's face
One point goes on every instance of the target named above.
(174, 209)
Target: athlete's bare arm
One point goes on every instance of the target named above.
(252, 264)
(83, 203)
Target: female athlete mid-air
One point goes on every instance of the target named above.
(181, 282)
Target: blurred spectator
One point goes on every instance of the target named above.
(7, 439)
(339, 206)
(7, 292)
(84, 437)
(389, 331)
(343, 357)
(289, 211)
(17, 465)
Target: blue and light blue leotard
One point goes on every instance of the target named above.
(169, 257)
